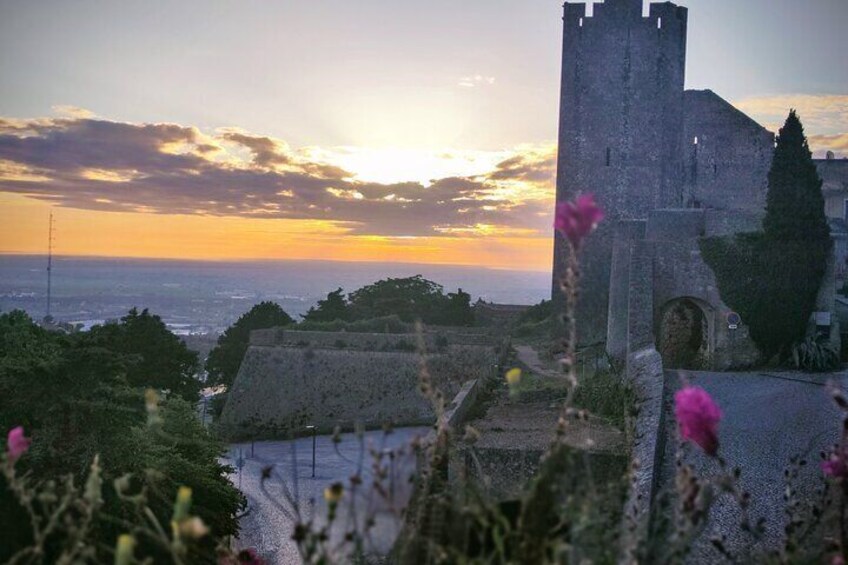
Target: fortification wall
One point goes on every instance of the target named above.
(281, 336)
(680, 271)
(729, 222)
(626, 233)
(728, 155)
(280, 390)
(621, 119)
(662, 267)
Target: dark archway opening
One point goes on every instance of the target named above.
(683, 336)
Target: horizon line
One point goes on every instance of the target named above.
(56, 256)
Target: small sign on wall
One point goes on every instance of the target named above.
(822, 318)
(733, 320)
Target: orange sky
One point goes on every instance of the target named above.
(93, 233)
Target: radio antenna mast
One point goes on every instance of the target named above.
(48, 317)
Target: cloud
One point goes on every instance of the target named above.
(825, 117)
(824, 143)
(473, 81)
(822, 114)
(97, 164)
(68, 111)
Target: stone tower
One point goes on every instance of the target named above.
(620, 129)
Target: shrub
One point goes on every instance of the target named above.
(815, 356)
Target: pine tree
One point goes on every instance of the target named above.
(794, 205)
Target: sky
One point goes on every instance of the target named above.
(373, 130)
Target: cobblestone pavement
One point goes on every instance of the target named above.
(767, 419)
(267, 525)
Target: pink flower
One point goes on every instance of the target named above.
(837, 560)
(834, 467)
(698, 417)
(18, 444)
(576, 220)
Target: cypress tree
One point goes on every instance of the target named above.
(772, 278)
(794, 204)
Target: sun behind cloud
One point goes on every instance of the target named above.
(170, 183)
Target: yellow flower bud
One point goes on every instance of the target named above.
(333, 493)
(124, 550)
(513, 376)
(182, 505)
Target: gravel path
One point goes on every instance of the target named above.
(267, 528)
(529, 357)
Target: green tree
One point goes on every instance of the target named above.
(224, 360)
(794, 204)
(332, 308)
(73, 395)
(457, 310)
(411, 299)
(154, 356)
(772, 278)
(537, 313)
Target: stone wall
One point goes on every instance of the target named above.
(834, 174)
(627, 232)
(679, 271)
(433, 339)
(727, 155)
(656, 271)
(621, 116)
(280, 390)
(645, 372)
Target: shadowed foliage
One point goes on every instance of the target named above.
(224, 360)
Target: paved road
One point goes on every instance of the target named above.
(767, 418)
(267, 528)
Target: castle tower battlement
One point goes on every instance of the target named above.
(620, 128)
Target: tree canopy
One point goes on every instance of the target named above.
(411, 299)
(332, 308)
(154, 357)
(795, 204)
(80, 395)
(224, 360)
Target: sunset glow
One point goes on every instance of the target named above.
(429, 139)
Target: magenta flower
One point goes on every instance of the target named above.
(18, 444)
(698, 417)
(834, 467)
(576, 220)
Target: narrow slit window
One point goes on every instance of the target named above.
(695, 141)
(581, 22)
(609, 156)
(659, 23)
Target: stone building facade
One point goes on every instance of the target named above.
(668, 166)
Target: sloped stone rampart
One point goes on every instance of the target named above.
(366, 341)
(280, 390)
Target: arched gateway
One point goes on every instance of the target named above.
(684, 334)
